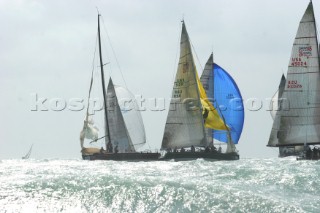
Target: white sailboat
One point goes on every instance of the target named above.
(299, 124)
(190, 113)
(122, 138)
(28, 153)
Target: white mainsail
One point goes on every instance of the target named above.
(132, 116)
(184, 125)
(301, 123)
(117, 128)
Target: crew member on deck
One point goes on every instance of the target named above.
(182, 149)
(193, 149)
(205, 114)
(175, 149)
(308, 153)
(101, 150)
(116, 150)
(207, 149)
(213, 149)
(109, 147)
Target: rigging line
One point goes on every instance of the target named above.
(93, 68)
(98, 139)
(175, 60)
(114, 53)
(107, 56)
(194, 50)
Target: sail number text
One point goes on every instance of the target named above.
(179, 82)
(297, 62)
(294, 84)
(177, 93)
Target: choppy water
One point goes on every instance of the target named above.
(248, 185)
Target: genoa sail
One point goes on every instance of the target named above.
(132, 116)
(300, 124)
(276, 100)
(278, 103)
(185, 122)
(224, 93)
(118, 131)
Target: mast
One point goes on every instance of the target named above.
(212, 131)
(103, 85)
(208, 85)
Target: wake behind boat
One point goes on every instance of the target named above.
(190, 113)
(122, 137)
(297, 122)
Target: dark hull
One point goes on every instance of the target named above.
(123, 156)
(303, 157)
(288, 155)
(180, 156)
(286, 151)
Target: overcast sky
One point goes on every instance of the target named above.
(46, 48)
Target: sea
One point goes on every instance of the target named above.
(75, 185)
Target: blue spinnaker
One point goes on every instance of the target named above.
(227, 99)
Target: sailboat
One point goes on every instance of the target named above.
(224, 94)
(190, 113)
(278, 103)
(119, 144)
(28, 153)
(299, 124)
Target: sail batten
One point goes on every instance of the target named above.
(300, 123)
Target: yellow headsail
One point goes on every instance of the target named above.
(211, 117)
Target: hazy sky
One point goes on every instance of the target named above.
(46, 47)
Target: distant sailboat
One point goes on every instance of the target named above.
(225, 95)
(28, 153)
(190, 113)
(299, 124)
(119, 143)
